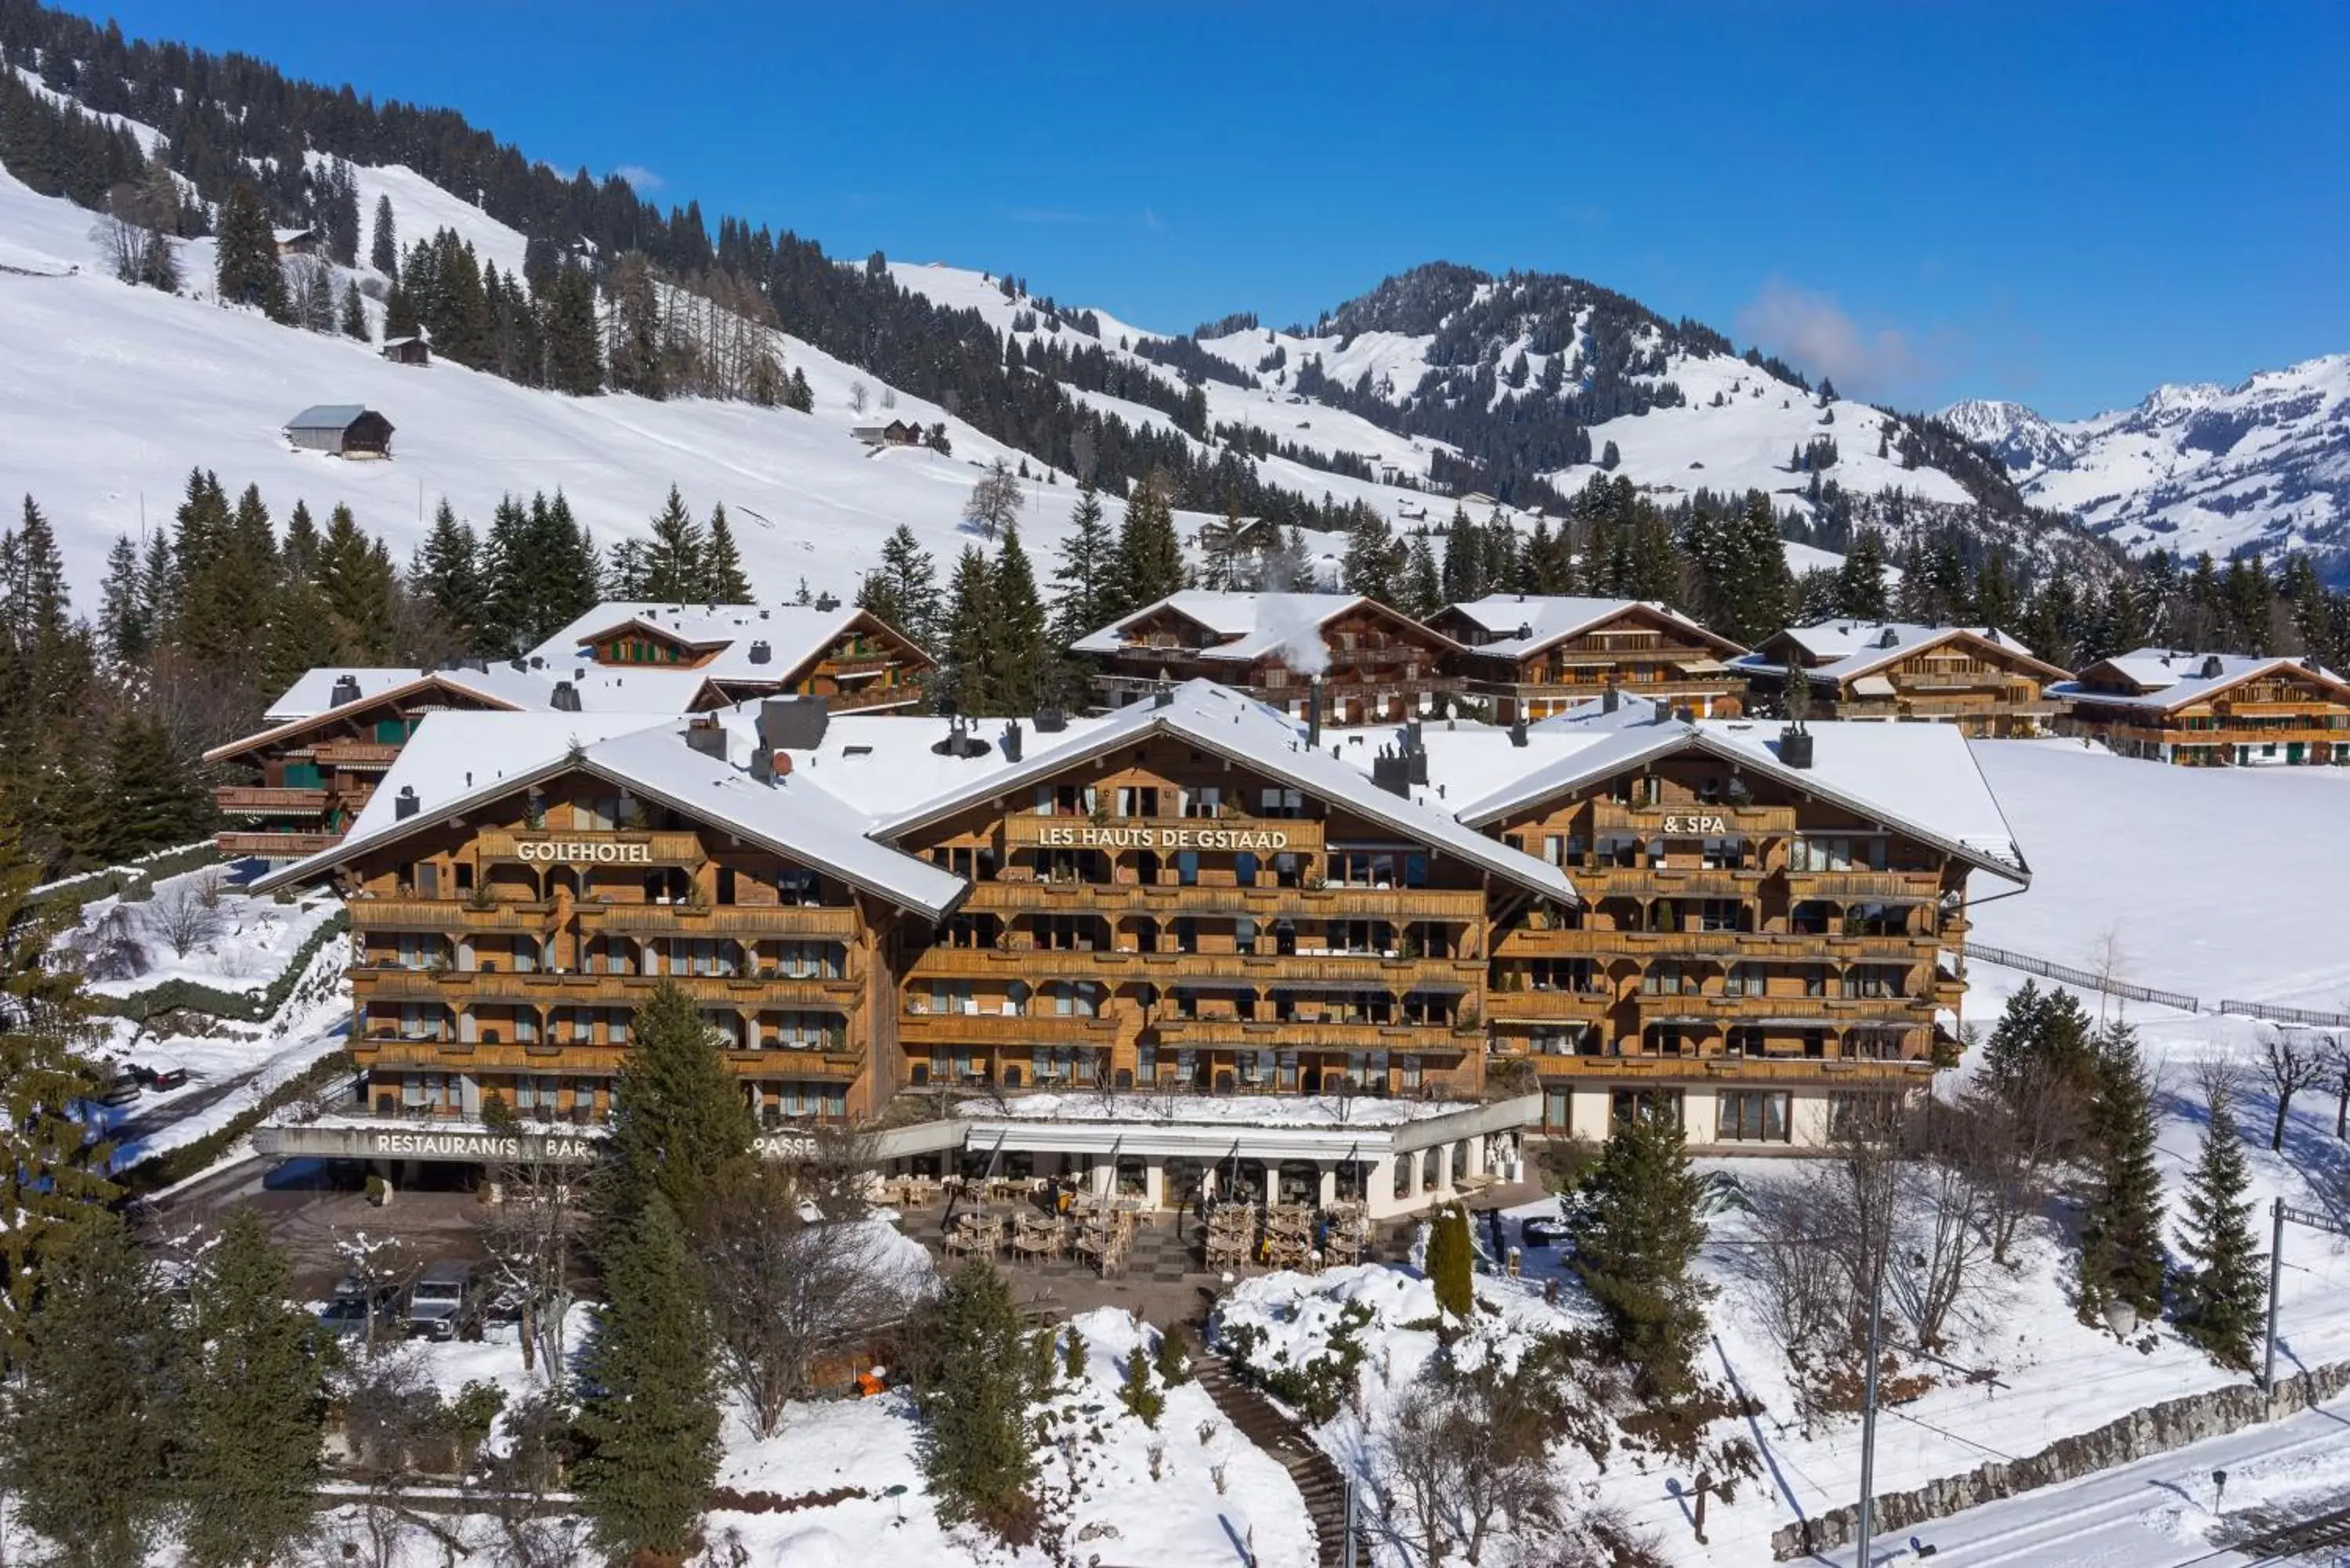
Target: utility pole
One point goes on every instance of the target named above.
(1868, 1409)
(2315, 1221)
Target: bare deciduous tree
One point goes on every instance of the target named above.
(995, 503)
(858, 396)
(788, 1285)
(180, 916)
(528, 1235)
(2014, 1138)
(2292, 1064)
(374, 1266)
(513, 1481)
(1470, 1450)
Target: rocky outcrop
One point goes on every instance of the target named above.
(2158, 1428)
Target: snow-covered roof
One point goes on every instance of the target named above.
(887, 765)
(446, 765)
(1251, 626)
(732, 634)
(314, 692)
(1218, 720)
(326, 417)
(2170, 679)
(1920, 778)
(1846, 650)
(1521, 624)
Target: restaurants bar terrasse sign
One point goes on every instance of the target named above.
(465, 1143)
(1161, 838)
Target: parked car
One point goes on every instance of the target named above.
(120, 1089)
(160, 1076)
(347, 1312)
(443, 1302)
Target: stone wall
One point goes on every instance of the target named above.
(2158, 1428)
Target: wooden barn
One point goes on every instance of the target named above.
(407, 351)
(343, 430)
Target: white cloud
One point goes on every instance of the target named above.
(641, 178)
(1814, 333)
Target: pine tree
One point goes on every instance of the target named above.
(674, 566)
(1422, 592)
(358, 580)
(124, 628)
(299, 556)
(1143, 1398)
(1373, 561)
(575, 361)
(154, 797)
(1637, 1226)
(399, 319)
(973, 1386)
(1452, 1257)
(1150, 557)
(302, 636)
(247, 270)
(681, 1130)
(1022, 658)
(1082, 580)
(968, 639)
(568, 581)
(448, 571)
(248, 1419)
(2121, 1224)
(723, 581)
(52, 1176)
(1464, 574)
(1860, 580)
(85, 1443)
(2220, 1291)
(383, 245)
(904, 591)
(649, 1406)
(354, 316)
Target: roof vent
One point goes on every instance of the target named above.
(760, 652)
(1518, 730)
(1526, 630)
(566, 699)
(1608, 700)
(2211, 667)
(1161, 695)
(518, 664)
(537, 662)
(347, 690)
(1010, 741)
(959, 742)
(1051, 720)
(1795, 748)
(405, 804)
(707, 736)
(1889, 638)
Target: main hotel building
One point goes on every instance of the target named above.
(1192, 933)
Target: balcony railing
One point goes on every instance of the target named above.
(412, 914)
(1005, 1029)
(258, 800)
(369, 754)
(785, 920)
(1190, 1034)
(1263, 970)
(277, 845)
(1864, 884)
(569, 988)
(1168, 900)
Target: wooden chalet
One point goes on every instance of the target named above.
(2212, 710)
(407, 351)
(1369, 662)
(1530, 656)
(1979, 678)
(341, 429)
(847, 656)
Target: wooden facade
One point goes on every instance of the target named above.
(2214, 710)
(1379, 665)
(1986, 685)
(866, 666)
(481, 965)
(1743, 948)
(1639, 650)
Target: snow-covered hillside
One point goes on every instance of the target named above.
(2264, 465)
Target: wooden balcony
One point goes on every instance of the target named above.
(1597, 882)
(1005, 1028)
(628, 848)
(277, 845)
(1167, 900)
(565, 988)
(411, 914)
(1266, 970)
(792, 921)
(1845, 886)
(1166, 834)
(257, 800)
(1734, 1071)
(1243, 1035)
(367, 755)
(859, 667)
(451, 1054)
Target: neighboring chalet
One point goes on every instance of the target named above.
(1371, 663)
(341, 429)
(1530, 656)
(329, 739)
(407, 350)
(1979, 678)
(897, 433)
(296, 242)
(1770, 921)
(2212, 710)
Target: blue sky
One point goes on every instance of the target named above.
(2063, 203)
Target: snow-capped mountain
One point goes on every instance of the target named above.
(2017, 436)
(2262, 465)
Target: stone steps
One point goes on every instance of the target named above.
(1317, 1477)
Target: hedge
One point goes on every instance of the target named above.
(175, 1165)
(254, 1006)
(136, 880)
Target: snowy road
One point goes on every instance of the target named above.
(2156, 1513)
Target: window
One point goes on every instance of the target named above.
(798, 885)
(1625, 1103)
(1753, 1116)
(813, 960)
(1812, 852)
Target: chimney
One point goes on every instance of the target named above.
(1518, 730)
(1415, 754)
(1161, 695)
(1796, 747)
(566, 699)
(1390, 770)
(1010, 741)
(1608, 700)
(1051, 720)
(760, 652)
(347, 690)
(1314, 716)
(793, 724)
(2212, 668)
(707, 736)
(405, 804)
